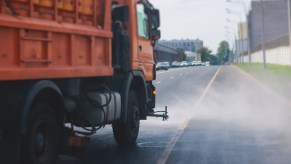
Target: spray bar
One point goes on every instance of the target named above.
(163, 114)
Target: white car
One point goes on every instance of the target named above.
(176, 64)
(194, 63)
(184, 64)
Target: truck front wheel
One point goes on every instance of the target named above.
(41, 143)
(126, 133)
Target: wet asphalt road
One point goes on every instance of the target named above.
(178, 89)
(217, 115)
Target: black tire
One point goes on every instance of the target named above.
(126, 134)
(42, 142)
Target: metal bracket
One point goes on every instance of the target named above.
(163, 114)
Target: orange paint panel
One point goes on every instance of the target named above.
(82, 50)
(99, 51)
(46, 3)
(61, 50)
(8, 47)
(43, 73)
(34, 48)
(68, 5)
(145, 58)
(87, 7)
(100, 13)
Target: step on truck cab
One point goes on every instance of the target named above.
(73, 63)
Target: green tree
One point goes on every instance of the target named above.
(184, 56)
(205, 54)
(223, 52)
(214, 60)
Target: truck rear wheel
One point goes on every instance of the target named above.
(41, 143)
(126, 133)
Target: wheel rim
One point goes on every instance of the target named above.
(42, 141)
(134, 119)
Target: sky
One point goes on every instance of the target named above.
(200, 19)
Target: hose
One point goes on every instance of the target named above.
(94, 88)
(97, 87)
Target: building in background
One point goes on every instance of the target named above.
(185, 44)
(275, 21)
(192, 56)
(243, 37)
(164, 53)
(198, 44)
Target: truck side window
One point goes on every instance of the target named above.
(143, 28)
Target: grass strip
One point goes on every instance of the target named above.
(276, 76)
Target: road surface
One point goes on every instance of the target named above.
(217, 115)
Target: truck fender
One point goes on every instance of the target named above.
(126, 87)
(34, 90)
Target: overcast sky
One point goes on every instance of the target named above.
(203, 19)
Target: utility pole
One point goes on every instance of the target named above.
(241, 40)
(289, 24)
(263, 34)
(249, 39)
(242, 3)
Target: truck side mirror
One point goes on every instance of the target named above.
(155, 18)
(156, 34)
(120, 13)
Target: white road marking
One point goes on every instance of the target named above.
(171, 70)
(207, 88)
(164, 157)
(171, 77)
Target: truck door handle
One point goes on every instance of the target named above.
(140, 48)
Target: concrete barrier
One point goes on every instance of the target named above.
(277, 52)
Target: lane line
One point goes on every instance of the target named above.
(207, 88)
(166, 154)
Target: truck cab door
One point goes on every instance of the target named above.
(145, 47)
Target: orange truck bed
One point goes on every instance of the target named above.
(55, 39)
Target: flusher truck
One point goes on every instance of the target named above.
(70, 67)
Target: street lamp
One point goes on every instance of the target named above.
(240, 31)
(230, 38)
(263, 34)
(289, 24)
(248, 34)
(240, 43)
(233, 55)
(237, 47)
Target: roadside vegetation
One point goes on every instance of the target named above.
(207, 56)
(277, 77)
(221, 57)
